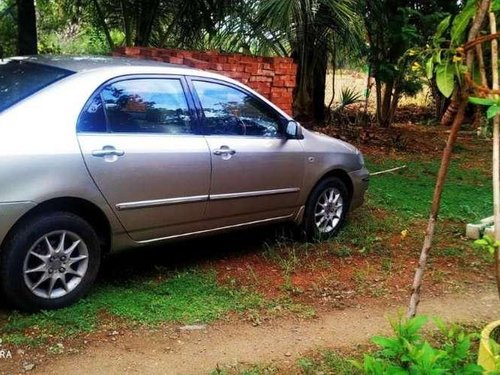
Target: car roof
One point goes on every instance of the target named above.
(108, 67)
(86, 63)
(117, 66)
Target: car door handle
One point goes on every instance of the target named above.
(224, 151)
(108, 152)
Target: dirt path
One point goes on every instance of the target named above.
(200, 351)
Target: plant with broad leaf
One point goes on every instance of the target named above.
(458, 65)
(487, 243)
(493, 105)
(445, 58)
(408, 352)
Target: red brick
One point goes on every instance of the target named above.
(252, 69)
(175, 60)
(195, 63)
(259, 78)
(265, 72)
(268, 60)
(215, 66)
(272, 77)
(132, 51)
(200, 56)
(248, 59)
(235, 75)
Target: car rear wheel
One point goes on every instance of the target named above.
(326, 209)
(49, 262)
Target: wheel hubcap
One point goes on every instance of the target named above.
(328, 210)
(56, 264)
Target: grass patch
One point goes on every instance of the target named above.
(327, 363)
(366, 232)
(187, 297)
(245, 370)
(467, 194)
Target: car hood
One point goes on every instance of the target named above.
(328, 141)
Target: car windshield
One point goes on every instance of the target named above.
(20, 79)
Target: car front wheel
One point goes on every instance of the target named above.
(326, 209)
(49, 262)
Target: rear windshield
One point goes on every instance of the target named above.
(20, 79)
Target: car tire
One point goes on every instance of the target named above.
(49, 262)
(325, 210)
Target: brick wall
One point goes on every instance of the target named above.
(272, 77)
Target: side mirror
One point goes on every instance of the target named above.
(292, 129)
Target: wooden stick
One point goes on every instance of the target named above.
(496, 148)
(387, 170)
(481, 12)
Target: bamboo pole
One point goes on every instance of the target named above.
(496, 148)
(481, 12)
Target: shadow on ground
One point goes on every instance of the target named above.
(176, 256)
(119, 268)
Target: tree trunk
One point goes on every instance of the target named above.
(451, 111)
(384, 104)
(394, 104)
(319, 87)
(334, 72)
(147, 13)
(102, 21)
(127, 27)
(496, 149)
(303, 99)
(441, 103)
(369, 85)
(443, 169)
(436, 201)
(26, 28)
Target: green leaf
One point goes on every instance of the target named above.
(416, 323)
(440, 324)
(445, 79)
(481, 101)
(443, 25)
(437, 57)
(492, 111)
(385, 342)
(461, 22)
(429, 68)
(481, 242)
(495, 5)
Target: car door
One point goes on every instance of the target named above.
(257, 173)
(139, 139)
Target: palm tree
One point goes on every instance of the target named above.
(26, 27)
(161, 23)
(311, 29)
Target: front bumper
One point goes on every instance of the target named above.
(10, 213)
(360, 181)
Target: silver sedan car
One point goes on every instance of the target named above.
(102, 154)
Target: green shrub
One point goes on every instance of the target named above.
(407, 352)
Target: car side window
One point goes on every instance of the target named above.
(93, 119)
(148, 105)
(229, 111)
